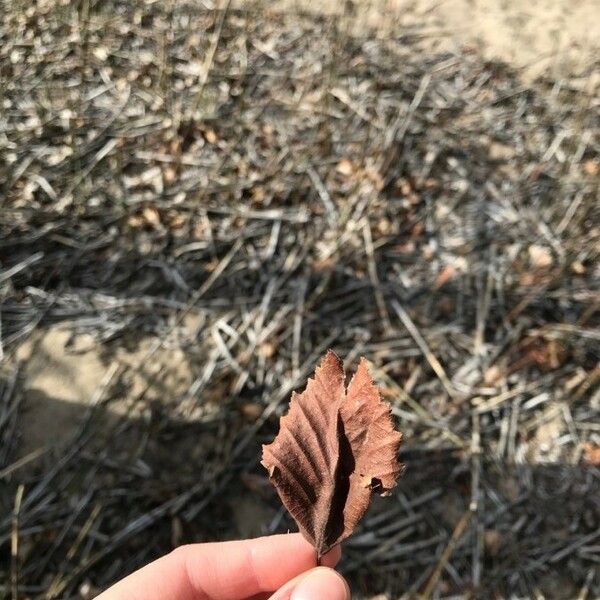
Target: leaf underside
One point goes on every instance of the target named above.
(334, 448)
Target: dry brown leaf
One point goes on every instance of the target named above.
(405, 248)
(540, 256)
(591, 454)
(135, 221)
(176, 220)
(417, 229)
(492, 539)
(334, 448)
(492, 375)
(591, 166)
(151, 216)
(444, 276)
(252, 410)
(210, 136)
(267, 349)
(345, 167)
(546, 354)
(322, 264)
(384, 226)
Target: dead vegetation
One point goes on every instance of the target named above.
(243, 190)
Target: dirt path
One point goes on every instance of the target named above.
(557, 37)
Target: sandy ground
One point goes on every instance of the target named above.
(63, 374)
(552, 37)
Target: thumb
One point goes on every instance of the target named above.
(316, 584)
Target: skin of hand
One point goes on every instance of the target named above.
(278, 567)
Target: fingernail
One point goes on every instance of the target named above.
(321, 584)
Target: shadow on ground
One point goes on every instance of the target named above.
(146, 483)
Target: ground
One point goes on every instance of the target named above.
(540, 37)
(194, 209)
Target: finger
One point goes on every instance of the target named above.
(332, 558)
(316, 584)
(221, 571)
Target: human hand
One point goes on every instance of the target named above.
(278, 567)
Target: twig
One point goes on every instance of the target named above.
(21, 462)
(31, 260)
(457, 534)
(210, 55)
(379, 299)
(14, 545)
(476, 505)
(434, 363)
(323, 194)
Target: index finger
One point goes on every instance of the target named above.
(221, 571)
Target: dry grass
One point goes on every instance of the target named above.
(243, 190)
